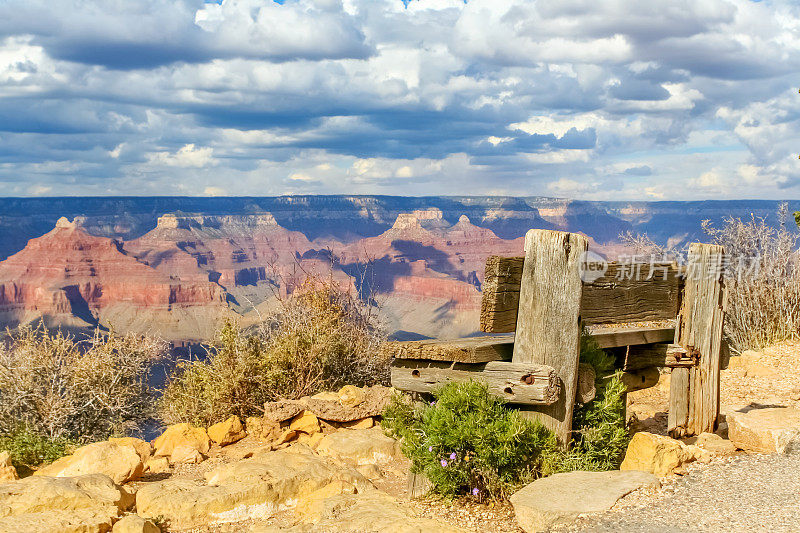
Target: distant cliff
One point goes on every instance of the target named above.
(178, 266)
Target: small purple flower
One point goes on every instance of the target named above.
(430, 448)
(475, 491)
(453, 456)
(444, 463)
(433, 403)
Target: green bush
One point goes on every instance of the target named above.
(321, 339)
(468, 442)
(600, 440)
(30, 449)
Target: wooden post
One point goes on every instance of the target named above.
(548, 318)
(695, 390)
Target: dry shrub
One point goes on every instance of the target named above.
(764, 286)
(55, 386)
(321, 338)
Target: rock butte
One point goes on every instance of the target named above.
(191, 271)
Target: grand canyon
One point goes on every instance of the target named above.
(180, 266)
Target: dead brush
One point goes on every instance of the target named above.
(320, 338)
(763, 280)
(54, 385)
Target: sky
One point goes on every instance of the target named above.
(590, 99)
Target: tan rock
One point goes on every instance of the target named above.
(375, 400)
(157, 465)
(7, 471)
(142, 447)
(181, 435)
(657, 454)
(769, 430)
(186, 454)
(757, 370)
(305, 422)
(312, 441)
(252, 488)
(86, 504)
(360, 446)
(351, 396)
(264, 429)
(135, 524)
(364, 423)
(227, 432)
(287, 435)
(283, 410)
(715, 444)
(372, 511)
(120, 462)
(310, 508)
(327, 396)
(561, 498)
(370, 471)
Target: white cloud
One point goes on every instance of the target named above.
(187, 157)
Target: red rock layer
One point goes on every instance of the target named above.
(69, 271)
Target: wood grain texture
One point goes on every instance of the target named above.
(700, 327)
(500, 294)
(626, 293)
(661, 354)
(520, 383)
(678, 411)
(548, 319)
(614, 337)
(587, 389)
(640, 379)
(466, 350)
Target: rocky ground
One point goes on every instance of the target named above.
(321, 465)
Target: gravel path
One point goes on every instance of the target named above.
(745, 493)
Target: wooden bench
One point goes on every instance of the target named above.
(650, 315)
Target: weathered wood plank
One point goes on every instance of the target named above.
(624, 336)
(587, 389)
(638, 292)
(701, 332)
(501, 347)
(640, 379)
(520, 383)
(500, 294)
(466, 350)
(548, 320)
(678, 413)
(659, 355)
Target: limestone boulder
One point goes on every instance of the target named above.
(257, 487)
(264, 429)
(135, 524)
(371, 401)
(656, 454)
(87, 504)
(365, 512)
(306, 422)
(7, 471)
(157, 465)
(181, 435)
(142, 447)
(360, 446)
(715, 444)
(227, 431)
(283, 410)
(769, 430)
(120, 462)
(561, 498)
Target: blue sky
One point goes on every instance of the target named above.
(656, 100)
